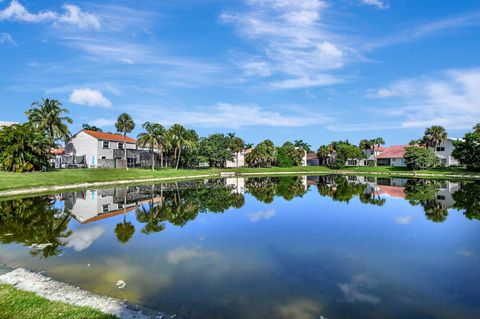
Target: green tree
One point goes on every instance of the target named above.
(48, 116)
(216, 149)
(345, 151)
(476, 128)
(303, 145)
(420, 158)
(124, 231)
(434, 136)
(423, 192)
(125, 124)
(323, 153)
(289, 155)
(377, 142)
(467, 151)
(264, 155)
(181, 138)
(22, 148)
(149, 138)
(91, 128)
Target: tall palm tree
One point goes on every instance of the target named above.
(181, 138)
(149, 138)
(476, 128)
(236, 144)
(125, 124)
(48, 116)
(366, 145)
(376, 142)
(162, 140)
(434, 136)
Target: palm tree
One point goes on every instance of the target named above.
(125, 124)
(48, 116)
(476, 128)
(434, 136)
(366, 145)
(376, 142)
(149, 138)
(162, 140)
(236, 144)
(181, 138)
(124, 231)
(91, 128)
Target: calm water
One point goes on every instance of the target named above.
(290, 247)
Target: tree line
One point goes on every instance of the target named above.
(27, 147)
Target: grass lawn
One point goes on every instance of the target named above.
(9, 181)
(17, 304)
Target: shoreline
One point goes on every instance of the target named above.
(57, 291)
(219, 174)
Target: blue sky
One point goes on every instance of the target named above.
(317, 70)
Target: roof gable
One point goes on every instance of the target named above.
(109, 136)
(396, 151)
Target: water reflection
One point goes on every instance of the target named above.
(277, 247)
(41, 223)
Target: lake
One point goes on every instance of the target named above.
(275, 247)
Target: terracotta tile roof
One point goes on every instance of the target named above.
(378, 148)
(312, 156)
(396, 151)
(110, 137)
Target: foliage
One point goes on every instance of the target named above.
(303, 145)
(420, 158)
(423, 192)
(91, 128)
(467, 151)
(345, 151)
(323, 153)
(216, 149)
(338, 188)
(124, 231)
(47, 117)
(434, 135)
(181, 139)
(467, 198)
(22, 148)
(265, 189)
(236, 145)
(264, 155)
(32, 222)
(289, 155)
(153, 137)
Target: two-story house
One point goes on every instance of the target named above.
(444, 152)
(98, 148)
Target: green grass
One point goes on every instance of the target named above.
(10, 181)
(17, 304)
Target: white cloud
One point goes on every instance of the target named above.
(83, 238)
(293, 39)
(450, 98)
(258, 216)
(6, 38)
(353, 293)
(377, 3)
(226, 115)
(89, 97)
(73, 15)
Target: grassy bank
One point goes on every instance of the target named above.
(11, 181)
(17, 304)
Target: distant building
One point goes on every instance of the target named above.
(393, 156)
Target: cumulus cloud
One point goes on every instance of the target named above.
(83, 238)
(73, 15)
(258, 216)
(377, 3)
(450, 98)
(293, 40)
(353, 291)
(89, 97)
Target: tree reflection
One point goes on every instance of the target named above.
(339, 189)
(35, 223)
(423, 192)
(265, 189)
(468, 199)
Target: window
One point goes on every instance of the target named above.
(440, 149)
(131, 162)
(106, 144)
(105, 208)
(104, 157)
(440, 197)
(120, 146)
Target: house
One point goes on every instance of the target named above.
(239, 159)
(444, 152)
(312, 159)
(101, 149)
(393, 156)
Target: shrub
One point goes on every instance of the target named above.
(420, 158)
